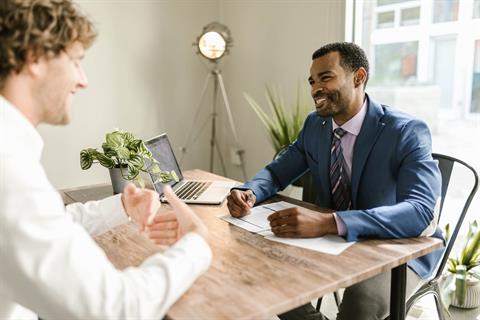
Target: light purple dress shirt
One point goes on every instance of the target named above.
(352, 127)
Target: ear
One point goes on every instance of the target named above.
(34, 65)
(360, 77)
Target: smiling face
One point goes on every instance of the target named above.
(60, 78)
(335, 91)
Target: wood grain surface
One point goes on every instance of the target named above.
(251, 277)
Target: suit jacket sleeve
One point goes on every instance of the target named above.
(282, 171)
(417, 193)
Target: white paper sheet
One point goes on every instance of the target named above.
(327, 244)
(257, 222)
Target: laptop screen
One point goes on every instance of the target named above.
(162, 151)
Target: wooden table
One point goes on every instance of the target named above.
(254, 278)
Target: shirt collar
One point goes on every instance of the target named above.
(23, 137)
(353, 125)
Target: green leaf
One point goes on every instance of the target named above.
(461, 284)
(123, 153)
(128, 137)
(282, 129)
(132, 172)
(86, 158)
(137, 161)
(114, 139)
(108, 150)
(105, 161)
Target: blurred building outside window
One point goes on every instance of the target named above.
(425, 60)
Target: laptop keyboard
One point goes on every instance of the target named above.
(191, 190)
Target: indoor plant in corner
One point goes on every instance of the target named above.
(462, 281)
(125, 157)
(282, 127)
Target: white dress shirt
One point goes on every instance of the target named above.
(49, 264)
(352, 128)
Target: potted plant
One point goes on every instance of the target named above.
(462, 281)
(125, 157)
(282, 127)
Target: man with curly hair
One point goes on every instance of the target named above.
(50, 266)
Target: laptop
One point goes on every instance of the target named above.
(190, 191)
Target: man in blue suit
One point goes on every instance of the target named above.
(370, 163)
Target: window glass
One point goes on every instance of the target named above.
(445, 10)
(385, 19)
(387, 2)
(410, 16)
(475, 105)
(476, 9)
(395, 63)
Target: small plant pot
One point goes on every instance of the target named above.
(472, 297)
(118, 181)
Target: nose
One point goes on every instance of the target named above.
(82, 80)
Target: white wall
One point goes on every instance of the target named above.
(274, 42)
(144, 76)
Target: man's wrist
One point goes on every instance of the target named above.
(330, 224)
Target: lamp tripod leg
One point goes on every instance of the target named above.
(239, 150)
(185, 146)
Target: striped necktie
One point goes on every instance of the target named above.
(339, 181)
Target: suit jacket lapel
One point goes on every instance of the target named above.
(371, 128)
(325, 139)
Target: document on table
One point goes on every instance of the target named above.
(257, 222)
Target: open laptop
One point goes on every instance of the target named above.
(190, 191)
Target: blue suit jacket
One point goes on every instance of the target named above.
(395, 182)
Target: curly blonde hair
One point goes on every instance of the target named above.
(42, 28)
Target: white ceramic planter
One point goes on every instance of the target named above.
(472, 298)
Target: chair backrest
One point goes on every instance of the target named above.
(446, 165)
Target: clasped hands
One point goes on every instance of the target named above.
(294, 222)
(165, 228)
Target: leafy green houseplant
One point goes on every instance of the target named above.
(126, 157)
(282, 127)
(462, 281)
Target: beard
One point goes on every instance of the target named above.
(331, 106)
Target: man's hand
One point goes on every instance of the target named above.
(168, 227)
(239, 202)
(302, 223)
(140, 204)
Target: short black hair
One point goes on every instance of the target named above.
(352, 57)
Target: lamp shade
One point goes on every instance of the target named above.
(214, 41)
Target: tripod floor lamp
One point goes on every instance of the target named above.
(213, 43)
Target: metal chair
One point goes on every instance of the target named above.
(446, 164)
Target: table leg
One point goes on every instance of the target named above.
(398, 292)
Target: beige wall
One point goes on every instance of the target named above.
(144, 76)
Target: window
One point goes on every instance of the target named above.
(445, 10)
(410, 16)
(475, 104)
(476, 9)
(395, 63)
(429, 69)
(385, 19)
(387, 2)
